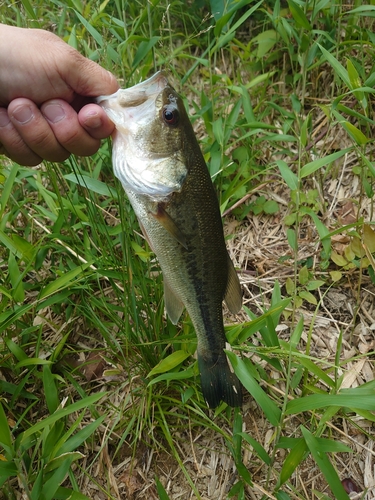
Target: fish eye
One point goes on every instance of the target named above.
(170, 115)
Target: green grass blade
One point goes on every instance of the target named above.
(7, 189)
(315, 165)
(80, 437)
(163, 495)
(5, 435)
(337, 66)
(271, 411)
(324, 465)
(92, 184)
(63, 412)
(170, 362)
(293, 460)
(289, 177)
(316, 401)
(66, 280)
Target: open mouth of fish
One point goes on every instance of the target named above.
(142, 158)
(134, 96)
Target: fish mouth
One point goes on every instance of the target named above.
(136, 95)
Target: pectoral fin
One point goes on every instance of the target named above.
(169, 225)
(145, 234)
(233, 294)
(173, 305)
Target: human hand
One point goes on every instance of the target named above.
(46, 98)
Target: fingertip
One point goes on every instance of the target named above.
(95, 121)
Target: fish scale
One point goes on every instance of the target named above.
(157, 158)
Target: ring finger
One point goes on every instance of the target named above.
(31, 138)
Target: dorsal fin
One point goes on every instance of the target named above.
(233, 293)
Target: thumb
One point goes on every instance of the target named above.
(87, 78)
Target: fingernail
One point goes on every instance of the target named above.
(23, 114)
(4, 119)
(53, 112)
(93, 120)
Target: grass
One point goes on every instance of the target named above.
(100, 392)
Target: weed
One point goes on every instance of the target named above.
(100, 392)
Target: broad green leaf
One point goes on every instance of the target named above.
(297, 333)
(29, 9)
(303, 275)
(299, 16)
(18, 291)
(337, 66)
(324, 465)
(14, 389)
(369, 237)
(355, 133)
(68, 494)
(170, 362)
(270, 409)
(181, 375)
(270, 207)
(335, 275)
(51, 485)
(292, 239)
(286, 173)
(313, 166)
(290, 287)
(14, 348)
(265, 40)
(316, 370)
(9, 244)
(309, 297)
(244, 473)
(50, 389)
(323, 232)
(24, 248)
(338, 259)
(292, 460)
(314, 284)
(363, 10)
(7, 470)
(163, 495)
(353, 75)
(325, 445)
(32, 362)
(343, 399)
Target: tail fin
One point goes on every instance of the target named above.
(218, 382)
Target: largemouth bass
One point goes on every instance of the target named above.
(157, 158)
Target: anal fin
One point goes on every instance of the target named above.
(173, 305)
(233, 293)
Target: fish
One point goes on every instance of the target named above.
(157, 158)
